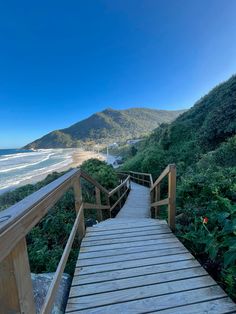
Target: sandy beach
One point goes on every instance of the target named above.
(78, 156)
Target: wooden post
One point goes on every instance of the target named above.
(16, 291)
(78, 203)
(157, 198)
(108, 203)
(118, 192)
(98, 202)
(172, 196)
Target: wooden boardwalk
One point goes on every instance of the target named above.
(135, 264)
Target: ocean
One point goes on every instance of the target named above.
(19, 167)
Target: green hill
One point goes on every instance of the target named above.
(202, 142)
(107, 126)
(201, 129)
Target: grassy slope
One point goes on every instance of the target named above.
(202, 142)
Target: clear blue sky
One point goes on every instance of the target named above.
(60, 61)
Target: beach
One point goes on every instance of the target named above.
(21, 168)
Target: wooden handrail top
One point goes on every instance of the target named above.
(15, 212)
(162, 175)
(119, 186)
(140, 173)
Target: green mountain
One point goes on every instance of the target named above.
(202, 143)
(201, 129)
(107, 126)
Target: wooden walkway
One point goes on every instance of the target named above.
(135, 264)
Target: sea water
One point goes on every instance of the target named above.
(18, 167)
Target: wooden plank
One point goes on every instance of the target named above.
(128, 239)
(152, 304)
(125, 235)
(129, 256)
(52, 291)
(124, 227)
(121, 284)
(95, 206)
(101, 299)
(16, 291)
(98, 202)
(131, 244)
(118, 233)
(130, 264)
(160, 203)
(114, 252)
(220, 306)
(134, 272)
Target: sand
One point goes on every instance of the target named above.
(78, 157)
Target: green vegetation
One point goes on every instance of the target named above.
(106, 127)
(202, 142)
(47, 240)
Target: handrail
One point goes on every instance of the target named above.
(156, 202)
(16, 292)
(169, 171)
(139, 176)
(119, 186)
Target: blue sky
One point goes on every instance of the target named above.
(61, 61)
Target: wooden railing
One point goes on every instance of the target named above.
(16, 292)
(140, 178)
(156, 202)
(155, 191)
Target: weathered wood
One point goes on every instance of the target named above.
(160, 203)
(95, 206)
(16, 291)
(139, 281)
(129, 256)
(125, 250)
(81, 224)
(49, 300)
(122, 235)
(172, 196)
(157, 199)
(221, 306)
(101, 299)
(98, 202)
(135, 272)
(130, 264)
(156, 303)
(158, 236)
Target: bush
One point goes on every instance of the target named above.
(47, 240)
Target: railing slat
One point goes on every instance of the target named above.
(50, 297)
(161, 177)
(172, 196)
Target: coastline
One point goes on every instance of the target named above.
(78, 157)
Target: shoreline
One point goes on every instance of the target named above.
(78, 157)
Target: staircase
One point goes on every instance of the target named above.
(135, 264)
(130, 263)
